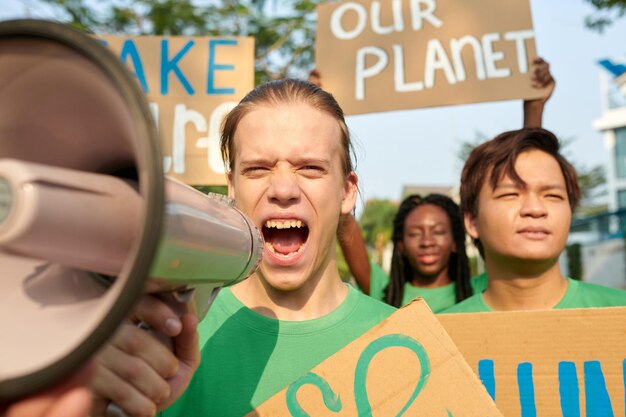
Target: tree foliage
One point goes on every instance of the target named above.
(283, 29)
(607, 12)
(467, 146)
(377, 221)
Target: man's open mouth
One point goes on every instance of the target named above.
(285, 236)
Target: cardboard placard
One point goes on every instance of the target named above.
(407, 365)
(191, 83)
(568, 363)
(378, 56)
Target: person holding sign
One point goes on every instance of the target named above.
(288, 149)
(518, 194)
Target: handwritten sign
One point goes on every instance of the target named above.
(402, 54)
(568, 363)
(191, 83)
(407, 365)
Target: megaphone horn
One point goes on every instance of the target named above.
(85, 212)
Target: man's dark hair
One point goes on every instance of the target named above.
(494, 159)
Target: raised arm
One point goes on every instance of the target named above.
(355, 252)
(540, 78)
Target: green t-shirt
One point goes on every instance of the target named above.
(248, 357)
(438, 299)
(578, 295)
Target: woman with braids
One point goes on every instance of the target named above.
(429, 258)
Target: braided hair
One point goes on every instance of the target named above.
(401, 269)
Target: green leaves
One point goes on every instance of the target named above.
(284, 30)
(377, 221)
(607, 12)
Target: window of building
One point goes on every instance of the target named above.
(621, 199)
(620, 153)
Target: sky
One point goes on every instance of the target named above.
(419, 147)
(425, 142)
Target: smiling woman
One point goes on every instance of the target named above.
(429, 258)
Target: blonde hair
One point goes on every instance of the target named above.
(285, 92)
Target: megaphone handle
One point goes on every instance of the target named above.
(176, 298)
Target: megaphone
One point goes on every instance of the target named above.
(85, 211)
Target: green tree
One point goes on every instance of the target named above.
(467, 146)
(377, 220)
(283, 30)
(607, 12)
(592, 183)
(216, 189)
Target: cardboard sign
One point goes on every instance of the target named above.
(567, 363)
(191, 83)
(407, 365)
(403, 54)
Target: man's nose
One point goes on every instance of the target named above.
(533, 206)
(284, 187)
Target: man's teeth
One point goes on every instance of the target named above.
(283, 224)
(271, 249)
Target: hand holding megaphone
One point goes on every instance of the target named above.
(139, 374)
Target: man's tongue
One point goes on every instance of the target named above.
(286, 241)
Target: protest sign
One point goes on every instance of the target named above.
(568, 363)
(191, 84)
(402, 54)
(407, 365)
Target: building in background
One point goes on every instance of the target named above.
(612, 124)
(596, 249)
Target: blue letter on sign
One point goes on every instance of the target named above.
(168, 65)
(526, 389)
(485, 373)
(129, 49)
(568, 389)
(597, 401)
(210, 88)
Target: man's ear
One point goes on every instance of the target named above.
(231, 190)
(349, 193)
(470, 225)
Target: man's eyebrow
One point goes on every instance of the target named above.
(508, 184)
(512, 185)
(310, 161)
(255, 161)
(548, 187)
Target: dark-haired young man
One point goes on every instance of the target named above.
(518, 194)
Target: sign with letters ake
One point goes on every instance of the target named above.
(376, 56)
(566, 363)
(405, 366)
(191, 84)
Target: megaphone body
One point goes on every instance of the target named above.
(49, 212)
(85, 211)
